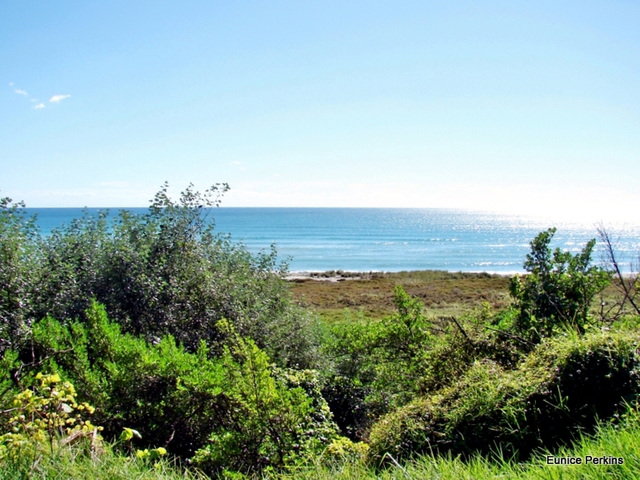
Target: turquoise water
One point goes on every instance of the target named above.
(319, 239)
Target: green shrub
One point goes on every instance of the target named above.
(165, 272)
(376, 364)
(18, 272)
(380, 366)
(460, 342)
(559, 391)
(173, 398)
(558, 290)
(275, 423)
(236, 411)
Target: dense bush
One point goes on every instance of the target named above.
(236, 411)
(159, 273)
(376, 365)
(170, 396)
(18, 272)
(276, 422)
(380, 366)
(558, 391)
(174, 331)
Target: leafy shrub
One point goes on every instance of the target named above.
(161, 273)
(380, 366)
(18, 272)
(560, 390)
(377, 364)
(277, 423)
(173, 398)
(460, 342)
(558, 290)
(236, 411)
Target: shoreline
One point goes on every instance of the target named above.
(344, 275)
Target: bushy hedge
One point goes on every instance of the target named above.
(236, 411)
(558, 391)
(165, 272)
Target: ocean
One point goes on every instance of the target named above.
(392, 240)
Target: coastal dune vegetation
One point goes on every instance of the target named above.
(150, 346)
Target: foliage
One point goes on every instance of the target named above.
(558, 290)
(621, 440)
(49, 435)
(277, 425)
(377, 364)
(165, 393)
(380, 366)
(460, 344)
(344, 448)
(46, 419)
(204, 356)
(18, 277)
(238, 410)
(559, 390)
(161, 273)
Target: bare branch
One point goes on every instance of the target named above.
(627, 285)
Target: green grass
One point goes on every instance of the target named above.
(74, 463)
(621, 441)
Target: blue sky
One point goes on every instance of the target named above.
(514, 105)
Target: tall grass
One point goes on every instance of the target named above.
(74, 463)
(610, 441)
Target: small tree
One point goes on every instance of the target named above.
(559, 288)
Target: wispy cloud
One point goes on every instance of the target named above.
(37, 105)
(58, 98)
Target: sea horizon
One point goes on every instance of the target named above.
(385, 239)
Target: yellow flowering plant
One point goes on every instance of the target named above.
(47, 417)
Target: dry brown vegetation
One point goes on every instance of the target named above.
(442, 293)
(336, 294)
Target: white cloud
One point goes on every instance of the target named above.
(58, 98)
(38, 105)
